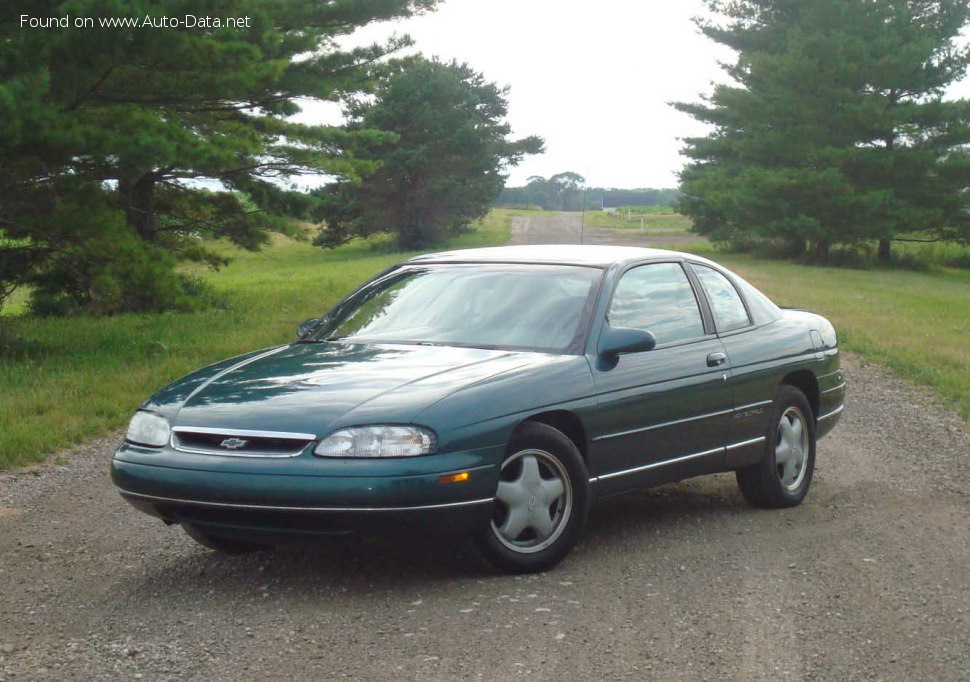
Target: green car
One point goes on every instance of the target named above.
(496, 393)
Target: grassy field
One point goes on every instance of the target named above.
(653, 224)
(65, 380)
(947, 254)
(917, 323)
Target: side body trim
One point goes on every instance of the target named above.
(675, 460)
(745, 443)
(834, 388)
(656, 465)
(760, 403)
(832, 413)
(660, 426)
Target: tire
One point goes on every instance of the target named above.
(784, 475)
(542, 466)
(221, 544)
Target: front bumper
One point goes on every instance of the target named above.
(306, 497)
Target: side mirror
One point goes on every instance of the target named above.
(306, 326)
(618, 340)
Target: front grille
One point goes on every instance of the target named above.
(239, 443)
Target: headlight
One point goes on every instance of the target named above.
(377, 441)
(146, 428)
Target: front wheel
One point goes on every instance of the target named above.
(541, 502)
(783, 477)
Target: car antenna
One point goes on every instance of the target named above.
(582, 218)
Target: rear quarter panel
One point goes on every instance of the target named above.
(761, 360)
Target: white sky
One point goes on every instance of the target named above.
(593, 79)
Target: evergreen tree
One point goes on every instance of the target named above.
(112, 138)
(444, 167)
(835, 131)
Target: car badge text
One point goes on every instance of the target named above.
(233, 443)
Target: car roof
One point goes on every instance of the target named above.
(565, 254)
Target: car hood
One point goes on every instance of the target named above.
(317, 387)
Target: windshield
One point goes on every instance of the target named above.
(531, 307)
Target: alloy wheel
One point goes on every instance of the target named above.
(792, 447)
(534, 501)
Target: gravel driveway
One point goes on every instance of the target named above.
(869, 579)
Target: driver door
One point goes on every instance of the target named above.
(662, 414)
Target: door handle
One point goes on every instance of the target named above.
(716, 359)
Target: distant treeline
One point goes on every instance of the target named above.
(566, 192)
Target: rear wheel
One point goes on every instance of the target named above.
(541, 502)
(221, 544)
(783, 477)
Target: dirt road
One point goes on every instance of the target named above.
(868, 580)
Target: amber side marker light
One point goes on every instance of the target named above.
(454, 478)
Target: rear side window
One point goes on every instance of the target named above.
(726, 304)
(659, 299)
(762, 309)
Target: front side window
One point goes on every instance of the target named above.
(726, 304)
(530, 307)
(659, 299)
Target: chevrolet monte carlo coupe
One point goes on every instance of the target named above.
(494, 392)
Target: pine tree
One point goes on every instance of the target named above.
(126, 131)
(835, 131)
(443, 169)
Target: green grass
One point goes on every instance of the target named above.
(65, 380)
(659, 209)
(947, 254)
(17, 303)
(654, 224)
(916, 323)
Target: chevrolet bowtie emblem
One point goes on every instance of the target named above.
(233, 443)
